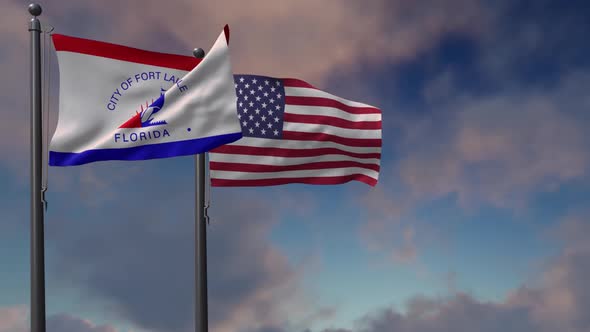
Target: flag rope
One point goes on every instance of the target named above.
(208, 185)
(46, 86)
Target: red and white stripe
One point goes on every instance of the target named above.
(326, 140)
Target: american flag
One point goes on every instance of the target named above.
(296, 133)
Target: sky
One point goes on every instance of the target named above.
(478, 223)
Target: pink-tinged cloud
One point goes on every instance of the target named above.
(13, 319)
(305, 39)
(69, 323)
(14, 64)
(16, 319)
(497, 149)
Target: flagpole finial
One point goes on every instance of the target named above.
(35, 9)
(199, 53)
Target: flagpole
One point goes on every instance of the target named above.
(201, 312)
(37, 236)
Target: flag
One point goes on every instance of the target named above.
(296, 133)
(122, 103)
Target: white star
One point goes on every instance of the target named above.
(272, 101)
(269, 125)
(266, 94)
(272, 89)
(260, 87)
(263, 105)
(251, 104)
(247, 85)
(245, 110)
(245, 97)
(244, 123)
(240, 91)
(240, 104)
(254, 81)
(263, 132)
(278, 107)
(278, 83)
(239, 116)
(251, 117)
(263, 118)
(270, 112)
(266, 82)
(276, 119)
(279, 96)
(251, 92)
(257, 124)
(235, 85)
(276, 132)
(241, 79)
(257, 98)
(251, 131)
(257, 111)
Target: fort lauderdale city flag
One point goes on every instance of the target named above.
(122, 103)
(295, 133)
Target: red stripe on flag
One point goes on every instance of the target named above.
(332, 121)
(226, 32)
(254, 168)
(123, 53)
(326, 102)
(321, 137)
(307, 180)
(295, 83)
(282, 152)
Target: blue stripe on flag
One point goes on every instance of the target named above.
(151, 151)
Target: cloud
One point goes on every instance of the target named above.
(137, 261)
(68, 323)
(521, 47)
(563, 298)
(268, 37)
(459, 313)
(390, 229)
(15, 319)
(512, 128)
(14, 89)
(498, 149)
(494, 149)
(555, 299)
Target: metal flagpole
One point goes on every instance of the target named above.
(201, 312)
(37, 236)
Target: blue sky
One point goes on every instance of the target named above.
(478, 222)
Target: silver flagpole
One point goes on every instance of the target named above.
(37, 241)
(201, 312)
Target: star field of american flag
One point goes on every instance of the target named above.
(261, 105)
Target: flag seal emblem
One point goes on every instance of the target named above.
(144, 118)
